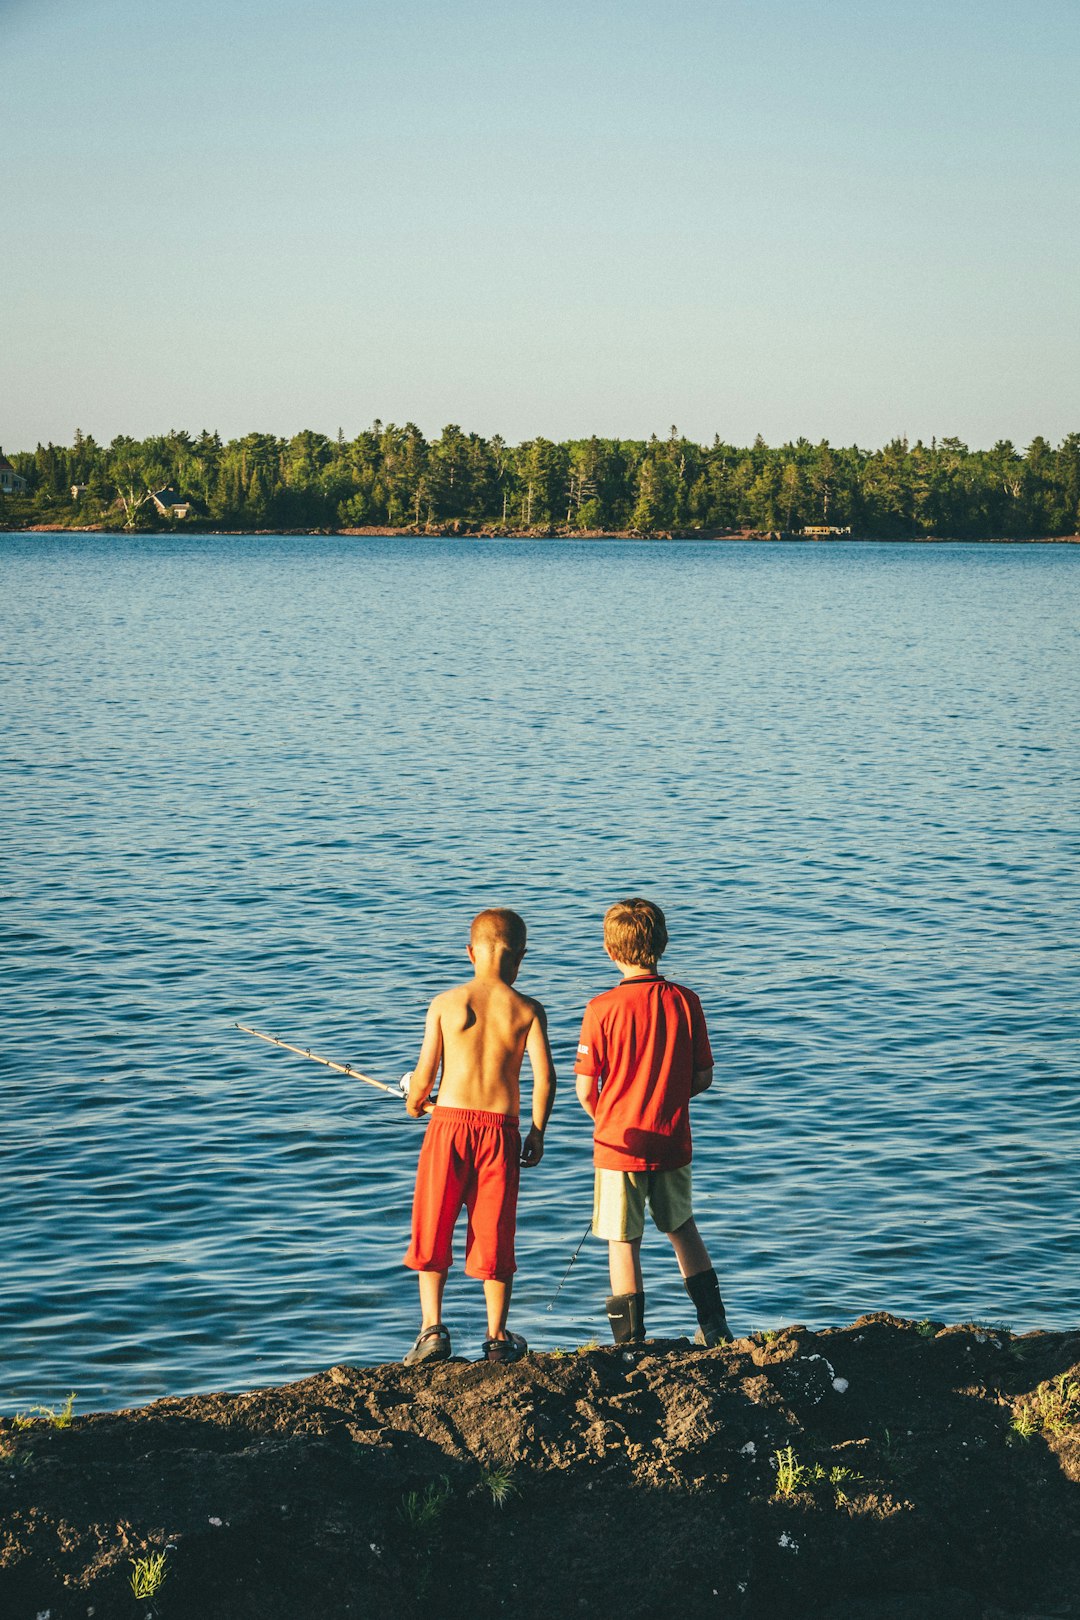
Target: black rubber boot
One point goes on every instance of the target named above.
(704, 1291)
(626, 1313)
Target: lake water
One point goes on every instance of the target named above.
(271, 779)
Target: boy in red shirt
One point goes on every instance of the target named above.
(478, 1032)
(644, 1052)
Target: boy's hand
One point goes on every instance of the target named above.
(419, 1109)
(532, 1149)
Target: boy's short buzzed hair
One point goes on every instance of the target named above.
(500, 925)
(635, 932)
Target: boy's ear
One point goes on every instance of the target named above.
(472, 954)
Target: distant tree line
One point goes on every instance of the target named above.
(394, 477)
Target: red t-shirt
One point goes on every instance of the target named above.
(643, 1040)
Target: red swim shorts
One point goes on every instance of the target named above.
(469, 1157)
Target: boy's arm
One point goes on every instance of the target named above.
(588, 1092)
(589, 1064)
(703, 1058)
(543, 1090)
(424, 1076)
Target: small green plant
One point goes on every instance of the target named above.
(791, 1474)
(55, 1419)
(422, 1510)
(593, 1344)
(890, 1445)
(769, 1334)
(925, 1329)
(499, 1484)
(1052, 1408)
(147, 1574)
(838, 1478)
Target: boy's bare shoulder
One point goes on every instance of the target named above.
(530, 1005)
(448, 998)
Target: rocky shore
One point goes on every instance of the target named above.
(467, 531)
(888, 1469)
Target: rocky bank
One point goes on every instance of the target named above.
(888, 1469)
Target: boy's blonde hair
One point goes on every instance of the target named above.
(635, 932)
(501, 927)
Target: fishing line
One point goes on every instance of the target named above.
(570, 1267)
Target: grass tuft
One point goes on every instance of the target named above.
(499, 1484)
(51, 1416)
(791, 1474)
(422, 1510)
(838, 1478)
(147, 1574)
(1051, 1408)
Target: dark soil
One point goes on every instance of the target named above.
(639, 1483)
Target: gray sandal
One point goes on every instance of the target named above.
(432, 1344)
(512, 1348)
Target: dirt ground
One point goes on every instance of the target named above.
(932, 1471)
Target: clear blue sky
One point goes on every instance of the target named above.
(529, 216)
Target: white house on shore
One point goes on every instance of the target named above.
(10, 481)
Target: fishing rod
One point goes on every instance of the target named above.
(395, 1091)
(339, 1068)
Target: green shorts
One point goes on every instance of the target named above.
(620, 1196)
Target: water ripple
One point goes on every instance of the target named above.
(271, 780)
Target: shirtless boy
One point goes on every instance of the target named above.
(479, 1032)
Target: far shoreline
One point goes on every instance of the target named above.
(480, 532)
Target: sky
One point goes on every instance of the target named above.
(787, 217)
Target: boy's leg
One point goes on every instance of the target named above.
(432, 1343)
(671, 1197)
(432, 1284)
(701, 1284)
(626, 1304)
(491, 1203)
(497, 1299)
(690, 1250)
(624, 1266)
(619, 1217)
(436, 1203)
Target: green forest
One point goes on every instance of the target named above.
(393, 477)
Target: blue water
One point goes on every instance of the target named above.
(271, 779)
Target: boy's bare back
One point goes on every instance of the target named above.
(478, 1033)
(484, 1028)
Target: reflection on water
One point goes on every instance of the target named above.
(272, 779)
